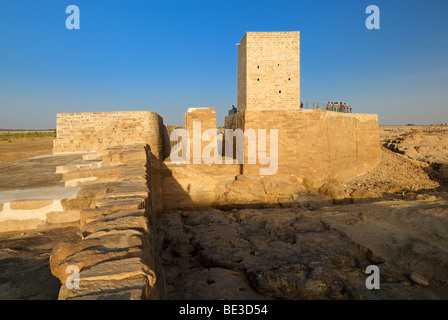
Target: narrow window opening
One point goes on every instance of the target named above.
(280, 91)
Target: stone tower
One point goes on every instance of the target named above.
(269, 71)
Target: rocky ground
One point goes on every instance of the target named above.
(427, 145)
(291, 253)
(24, 263)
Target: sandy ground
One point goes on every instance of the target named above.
(24, 148)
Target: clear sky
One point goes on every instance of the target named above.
(167, 55)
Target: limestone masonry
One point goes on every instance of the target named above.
(87, 132)
(269, 71)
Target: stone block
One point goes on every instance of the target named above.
(98, 247)
(126, 289)
(29, 204)
(63, 217)
(19, 225)
(119, 223)
(118, 270)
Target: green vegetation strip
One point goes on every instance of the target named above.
(32, 134)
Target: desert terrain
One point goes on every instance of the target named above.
(33, 143)
(24, 256)
(394, 217)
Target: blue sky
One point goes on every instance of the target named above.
(166, 56)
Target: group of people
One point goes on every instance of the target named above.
(339, 107)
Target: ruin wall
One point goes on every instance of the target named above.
(88, 132)
(268, 74)
(318, 144)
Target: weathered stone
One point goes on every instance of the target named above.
(19, 225)
(127, 190)
(63, 217)
(426, 197)
(237, 186)
(98, 247)
(110, 172)
(29, 204)
(282, 186)
(94, 191)
(364, 194)
(118, 270)
(389, 275)
(394, 189)
(310, 201)
(216, 284)
(253, 185)
(308, 183)
(419, 279)
(133, 156)
(285, 202)
(126, 289)
(76, 204)
(332, 190)
(109, 212)
(125, 203)
(129, 221)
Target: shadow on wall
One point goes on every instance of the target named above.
(192, 187)
(167, 144)
(156, 174)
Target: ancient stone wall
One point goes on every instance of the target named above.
(87, 132)
(269, 71)
(231, 121)
(205, 119)
(193, 186)
(317, 144)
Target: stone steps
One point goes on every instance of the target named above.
(87, 176)
(33, 208)
(79, 165)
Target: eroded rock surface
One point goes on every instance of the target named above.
(293, 254)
